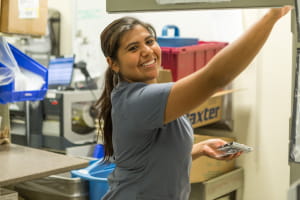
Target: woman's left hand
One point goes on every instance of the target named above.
(210, 148)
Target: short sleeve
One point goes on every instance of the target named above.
(147, 103)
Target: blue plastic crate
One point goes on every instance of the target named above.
(96, 174)
(8, 93)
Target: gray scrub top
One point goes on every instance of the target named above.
(152, 159)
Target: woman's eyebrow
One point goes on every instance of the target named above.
(148, 37)
(130, 44)
(135, 43)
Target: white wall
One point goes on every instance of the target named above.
(66, 9)
(261, 112)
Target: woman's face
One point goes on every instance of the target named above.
(139, 56)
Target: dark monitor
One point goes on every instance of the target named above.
(60, 72)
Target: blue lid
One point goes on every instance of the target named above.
(176, 40)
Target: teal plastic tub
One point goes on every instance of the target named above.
(96, 174)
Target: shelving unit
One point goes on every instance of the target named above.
(113, 6)
(152, 5)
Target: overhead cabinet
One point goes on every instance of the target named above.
(156, 5)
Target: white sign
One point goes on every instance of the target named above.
(28, 9)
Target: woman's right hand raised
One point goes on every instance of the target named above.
(191, 91)
(279, 12)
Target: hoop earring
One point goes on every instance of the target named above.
(116, 79)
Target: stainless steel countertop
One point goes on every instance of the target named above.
(19, 163)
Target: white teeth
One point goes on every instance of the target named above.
(149, 63)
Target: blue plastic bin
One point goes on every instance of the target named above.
(8, 93)
(176, 40)
(98, 151)
(96, 174)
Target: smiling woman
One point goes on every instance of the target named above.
(139, 55)
(146, 132)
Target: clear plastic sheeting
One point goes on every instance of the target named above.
(8, 65)
(11, 71)
(28, 81)
(6, 76)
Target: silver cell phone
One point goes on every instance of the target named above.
(234, 147)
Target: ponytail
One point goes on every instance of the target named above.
(103, 105)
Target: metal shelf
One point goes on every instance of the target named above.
(152, 5)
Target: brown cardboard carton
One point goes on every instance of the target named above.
(210, 111)
(165, 75)
(205, 168)
(228, 186)
(13, 22)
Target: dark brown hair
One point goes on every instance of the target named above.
(110, 43)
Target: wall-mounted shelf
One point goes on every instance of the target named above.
(152, 5)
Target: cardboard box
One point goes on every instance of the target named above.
(205, 168)
(165, 75)
(210, 111)
(225, 187)
(23, 18)
(6, 194)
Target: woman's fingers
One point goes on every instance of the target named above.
(286, 9)
(281, 11)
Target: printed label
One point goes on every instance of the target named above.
(207, 113)
(204, 115)
(28, 9)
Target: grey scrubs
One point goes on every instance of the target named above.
(153, 159)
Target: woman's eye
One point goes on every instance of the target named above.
(133, 48)
(151, 41)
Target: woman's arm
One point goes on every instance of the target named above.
(210, 148)
(191, 91)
